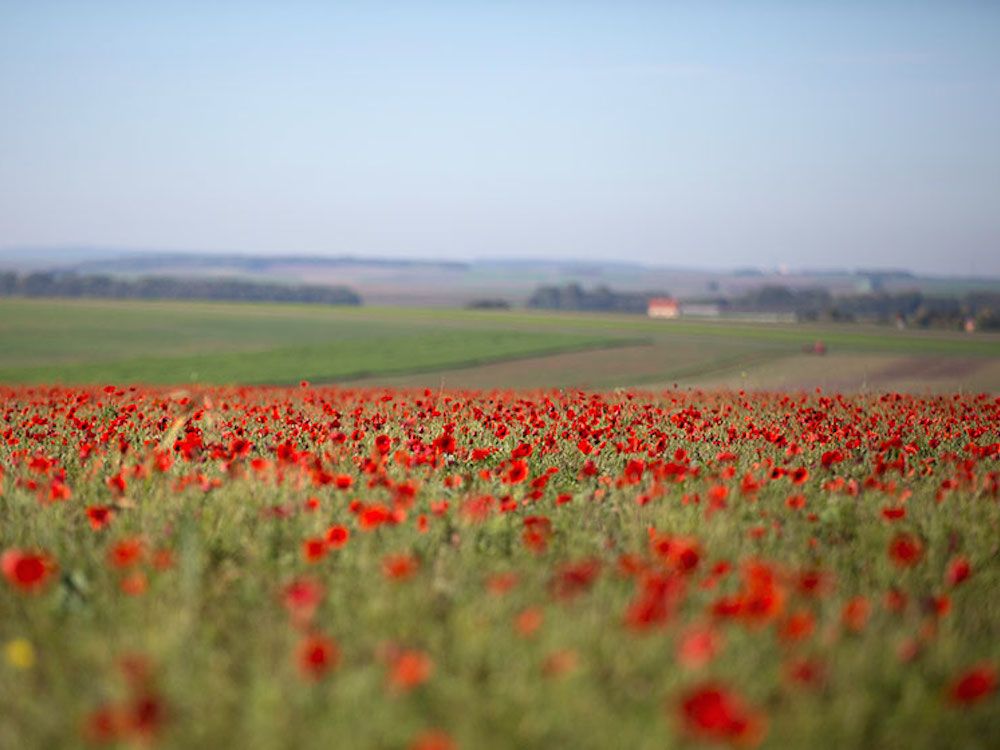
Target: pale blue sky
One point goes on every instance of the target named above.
(690, 133)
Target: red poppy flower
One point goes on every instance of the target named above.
(28, 571)
(316, 656)
(905, 550)
(134, 584)
(855, 614)
(714, 713)
(301, 598)
(797, 626)
(337, 536)
(698, 647)
(517, 472)
(314, 549)
(399, 567)
(974, 685)
(959, 569)
(99, 516)
(117, 484)
(127, 552)
(409, 669)
(560, 662)
(528, 621)
(433, 739)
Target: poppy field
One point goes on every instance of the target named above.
(320, 567)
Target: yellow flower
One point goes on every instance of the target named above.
(20, 653)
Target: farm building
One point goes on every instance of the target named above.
(664, 307)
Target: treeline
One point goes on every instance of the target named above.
(807, 304)
(909, 308)
(49, 284)
(601, 298)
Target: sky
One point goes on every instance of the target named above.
(700, 134)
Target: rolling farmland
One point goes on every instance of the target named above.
(165, 342)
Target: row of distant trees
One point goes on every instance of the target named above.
(51, 284)
(911, 308)
(601, 298)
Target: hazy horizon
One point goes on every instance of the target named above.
(45, 257)
(697, 135)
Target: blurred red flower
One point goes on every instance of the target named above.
(316, 656)
(714, 713)
(905, 550)
(974, 685)
(28, 571)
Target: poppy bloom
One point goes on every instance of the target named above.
(105, 725)
(28, 571)
(382, 444)
(410, 669)
(126, 553)
(800, 475)
(99, 516)
(894, 513)
(117, 484)
(805, 672)
(974, 685)
(528, 621)
(655, 602)
(501, 583)
(959, 569)
(517, 472)
(433, 739)
(574, 578)
(337, 536)
(316, 656)
(399, 567)
(714, 713)
(134, 584)
(314, 549)
(373, 516)
(855, 614)
(796, 502)
(905, 550)
(560, 662)
(698, 647)
(301, 598)
(797, 626)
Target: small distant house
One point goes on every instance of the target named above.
(664, 307)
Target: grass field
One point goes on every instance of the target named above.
(183, 342)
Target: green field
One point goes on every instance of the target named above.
(93, 341)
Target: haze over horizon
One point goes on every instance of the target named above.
(714, 135)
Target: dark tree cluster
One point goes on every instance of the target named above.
(488, 303)
(601, 298)
(911, 308)
(49, 284)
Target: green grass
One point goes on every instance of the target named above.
(178, 343)
(85, 341)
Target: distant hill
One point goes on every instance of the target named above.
(447, 283)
